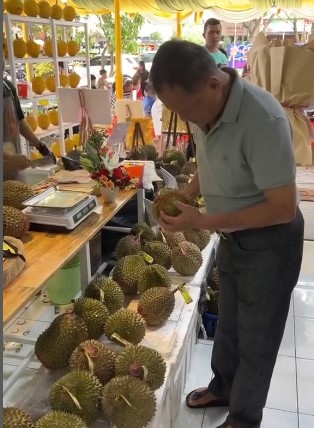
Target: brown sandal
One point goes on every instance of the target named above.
(212, 403)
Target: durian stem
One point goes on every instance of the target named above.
(120, 339)
(90, 362)
(102, 294)
(127, 401)
(145, 369)
(75, 400)
(179, 287)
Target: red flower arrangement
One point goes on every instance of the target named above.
(103, 164)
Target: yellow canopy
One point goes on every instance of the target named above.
(167, 8)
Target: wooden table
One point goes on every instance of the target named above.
(46, 253)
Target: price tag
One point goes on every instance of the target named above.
(147, 257)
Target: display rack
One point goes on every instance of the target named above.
(9, 21)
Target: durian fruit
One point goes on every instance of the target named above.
(47, 47)
(56, 11)
(74, 80)
(69, 144)
(186, 258)
(128, 402)
(189, 168)
(55, 345)
(143, 363)
(15, 223)
(51, 83)
(137, 154)
(57, 419)
(69, 13)
(173, 155)
(126, 272)
(156, 305)
(96, 358)
(172, 239)
(173, 168)
(107, 291)
(31, 8)
(16, 418)
(64, 80)
(94, 314)
(149, 150)
(127, 246)
(31, 121)
(200, 237)
(214, 279)
(44, 9)
(153, 276)
(73, 47)
(38, 85)
(32, 48)
(62, 48)
(78, 392)
(14, 6)
(43, 121)
(15, 193)
(19, 47)
(54, 117)
(144, 231)
(182, 180)
(160, 252)
(126, 325)
(166, 201)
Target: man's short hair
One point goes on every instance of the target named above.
(102, 71)
(211, 21)
(181, 63)
(148, 87)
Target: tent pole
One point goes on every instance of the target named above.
(118, 49)
(179, 25)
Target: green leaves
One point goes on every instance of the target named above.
(87, 164)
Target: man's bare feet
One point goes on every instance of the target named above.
(202, 398)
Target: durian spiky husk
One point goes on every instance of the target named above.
(200, 238)
(16, 418)
(55, 345)
(173, 155)
(95, 357)
(128, 402)
(144, 231)
(94, 314)
(160, 252)
(127, 324)
(172, 239)
(107, 291)
(153, 276)
(186, 258)
(156, 305)
(150, 152)
(77, 392)
(166, 201)
(15, 193)
(15, 223)
(56, 419)
(128, 245)
(214, 279)
(126, 273)
(173, 168)
(189, 168)
(143, 363)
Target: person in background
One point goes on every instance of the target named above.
(246, 171)
(149, 98)
(93, 81)
(144, 74)
(127, 91)
(14, 123)
(136, 82)
(212, 35)
(102, 81)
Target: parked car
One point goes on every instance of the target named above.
(129, 67)
(147, 57)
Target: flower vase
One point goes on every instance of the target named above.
(109, 195)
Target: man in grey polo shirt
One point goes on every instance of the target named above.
(246, 173)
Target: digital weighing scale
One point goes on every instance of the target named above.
(59, 209)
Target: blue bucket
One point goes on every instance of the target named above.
(210, 323)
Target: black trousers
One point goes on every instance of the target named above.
(258, 270)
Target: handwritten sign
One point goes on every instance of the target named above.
(119, 133)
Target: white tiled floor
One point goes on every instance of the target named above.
(290, 402)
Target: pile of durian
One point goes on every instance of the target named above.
(15, 223)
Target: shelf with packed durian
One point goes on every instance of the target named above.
(35, 100)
